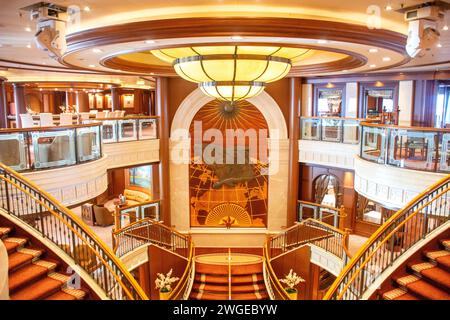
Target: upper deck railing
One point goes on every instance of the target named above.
(418, 148)
(331, 129)
(37, 148)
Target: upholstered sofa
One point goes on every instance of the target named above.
(135, 197)
(103, 216)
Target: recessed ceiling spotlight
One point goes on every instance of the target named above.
(386, 58)
(29, 46)
(373, 50)
(237, 38)
(372, 66)
(439, 45)
(87, 9)
(152, 73)
(28, 29)
(445, 28)
(96, 50)
(388, 7)
(345, 70)
(91, 66)
(322, 41)
(149, 41)
(40, 89)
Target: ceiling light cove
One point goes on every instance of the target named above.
(231, 73)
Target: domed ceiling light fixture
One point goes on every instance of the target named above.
(231, 73)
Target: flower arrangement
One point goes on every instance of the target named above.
(164, 282)
(291, 280)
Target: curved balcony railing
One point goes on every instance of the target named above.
(392, 240)
(418, 148)
(127, 128)
(331, 129)
(34, 207)
(309, 231)
(50, 147)
(149, 231)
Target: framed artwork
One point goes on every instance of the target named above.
(140, 177)
(91, 101)
(128, 101)
(99, 101)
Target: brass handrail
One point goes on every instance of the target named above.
(384, 233)
(112, 266)
(341, 245)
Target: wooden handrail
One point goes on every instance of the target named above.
(338, 118)
(64, 217)
(127, 118)
(272, 276)
(391, 126)
(319, 205)
(378, 236)
(183, 282)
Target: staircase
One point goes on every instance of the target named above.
(425, 278)
(212, 282)
(33, 275)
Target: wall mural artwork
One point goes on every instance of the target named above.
(226, 193)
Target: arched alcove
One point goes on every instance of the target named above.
(180, 146)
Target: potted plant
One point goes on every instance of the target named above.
(291, 280)
(164, 284)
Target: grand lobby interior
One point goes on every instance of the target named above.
(225, 150)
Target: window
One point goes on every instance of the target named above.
(378, 98)
(326, 190)
(329, 101)
(442, 119)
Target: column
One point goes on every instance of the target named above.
(19, 102)
(164, 176)
(115, 103)
(295, 97)
(3, 105)
(82, 101)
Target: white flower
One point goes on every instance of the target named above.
(292, 279)
(164, 282)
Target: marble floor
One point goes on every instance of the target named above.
(104, 233)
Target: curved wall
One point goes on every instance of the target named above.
(391, 186)
(74, 184)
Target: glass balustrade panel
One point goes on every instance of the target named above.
(373, 144)
(412, 149)
(109, 131)
(14, 151)
(127, 130)
(88, 143)
(148, 129)
(128, 216)
(150, 210)
(332, 130)
(310, 129)
(351, 132)
(444, 161)
(53, 148)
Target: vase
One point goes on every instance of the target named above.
(164, 295)
(292, 293)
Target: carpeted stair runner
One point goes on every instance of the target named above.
(212, 282)
(426, 279)
(31, 275)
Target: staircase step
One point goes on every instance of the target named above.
(38, 290)
(12, 244)
(4, 231)
(399, 294)
(197, 287)
(438, 276)
(235, 279)
(446, 243)
(25, 275)
(217, 269)
(234, 296)
(67, 294)
(22, 257)
(441, 257)
(422, 288)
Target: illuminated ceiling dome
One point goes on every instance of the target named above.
(231, 73)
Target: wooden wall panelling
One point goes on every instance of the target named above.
(424, 106)
(161, 261)
(19, 102)
(3, 105)
(299, 261)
